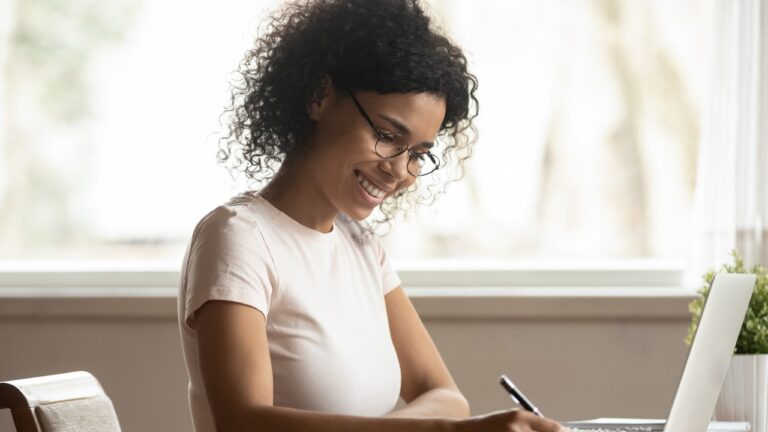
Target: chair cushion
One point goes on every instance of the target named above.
(94, 414)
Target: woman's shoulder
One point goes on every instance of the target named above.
(238, 215)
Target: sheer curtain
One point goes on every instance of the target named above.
(6, 29)
(731, 210)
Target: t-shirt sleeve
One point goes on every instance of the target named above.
(227, 260)
(390, 278)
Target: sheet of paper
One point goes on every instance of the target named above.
(616, 422)
(656, 424)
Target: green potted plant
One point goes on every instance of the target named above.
(744, 395)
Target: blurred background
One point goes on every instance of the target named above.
(589, 128)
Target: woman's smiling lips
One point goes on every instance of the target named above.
(371, 190)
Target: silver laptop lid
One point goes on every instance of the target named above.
(710, 353)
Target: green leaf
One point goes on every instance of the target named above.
(753, 337)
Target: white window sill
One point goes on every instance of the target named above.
(431, 273)
(439, 290)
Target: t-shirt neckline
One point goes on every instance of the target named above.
(295, 226)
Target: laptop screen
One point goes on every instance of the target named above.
(711, 352)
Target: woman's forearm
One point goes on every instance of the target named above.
(445, 403)
(280, 419)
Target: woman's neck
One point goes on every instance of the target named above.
(294, 193)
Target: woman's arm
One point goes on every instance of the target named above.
(427, 386)
(237, 373)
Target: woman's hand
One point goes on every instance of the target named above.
(508, 421)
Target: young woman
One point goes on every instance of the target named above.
(292, 317)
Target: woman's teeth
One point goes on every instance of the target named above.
(370, 188)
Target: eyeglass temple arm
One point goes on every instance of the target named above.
(362, 112)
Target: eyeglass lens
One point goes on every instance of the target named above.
(419, 163)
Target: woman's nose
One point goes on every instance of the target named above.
(397, 166)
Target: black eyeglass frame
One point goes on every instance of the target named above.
(407, 148)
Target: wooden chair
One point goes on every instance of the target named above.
(69, 402)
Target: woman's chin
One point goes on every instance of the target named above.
(359, 215)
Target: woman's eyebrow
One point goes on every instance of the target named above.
(397, 124)
(426, 145)
(403, 130)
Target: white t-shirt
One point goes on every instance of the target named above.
(323, 299)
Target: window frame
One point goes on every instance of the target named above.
(460, 275)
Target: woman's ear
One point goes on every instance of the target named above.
(321, 98)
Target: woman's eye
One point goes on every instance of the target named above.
(387, 138)
(418, 156)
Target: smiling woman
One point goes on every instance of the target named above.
(288, 300)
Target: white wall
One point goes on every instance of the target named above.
(576, 355)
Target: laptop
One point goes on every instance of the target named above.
(706, 367)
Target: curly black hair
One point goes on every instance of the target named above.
(385, 46)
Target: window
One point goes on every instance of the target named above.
(588, 129)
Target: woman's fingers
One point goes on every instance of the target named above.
(538, 423)
(512, 421)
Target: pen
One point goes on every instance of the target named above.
(518, 396)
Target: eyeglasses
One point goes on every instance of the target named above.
(390, 145)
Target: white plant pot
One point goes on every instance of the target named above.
(744, 395)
